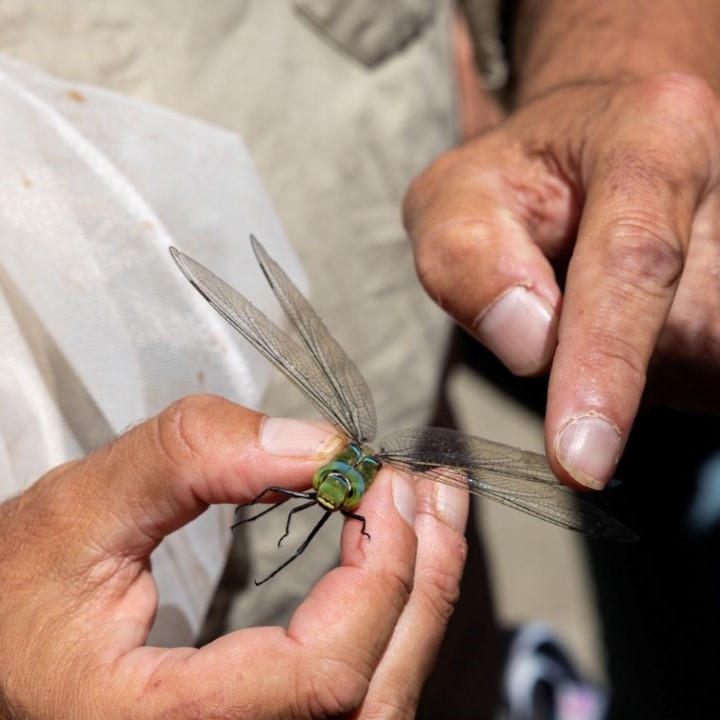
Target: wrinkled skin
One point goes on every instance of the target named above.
(614, 182)
(78, 598)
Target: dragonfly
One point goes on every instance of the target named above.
(319, 367)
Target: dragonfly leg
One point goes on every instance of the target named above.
(360, 519)
(304, 506)
(275, 489)
(300, 549)
(272, 489)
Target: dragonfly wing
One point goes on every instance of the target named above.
(348, 385)
(288, 356)
(517, 478)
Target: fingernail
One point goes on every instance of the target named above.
(519, 328)
(450, 504)
(294, 438)
(588, 448)
(404, 497)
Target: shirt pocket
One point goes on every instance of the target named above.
(370, 31)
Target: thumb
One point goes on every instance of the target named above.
(163, 473)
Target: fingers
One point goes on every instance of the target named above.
(631, 249)
(634, 161)
(409, 658)
(166, 471)
(323, 664)
(475, 218)
(74, 556)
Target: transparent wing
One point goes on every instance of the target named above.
(291, 358)
(517, 478)
(348, 385)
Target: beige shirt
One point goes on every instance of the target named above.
(341, 103)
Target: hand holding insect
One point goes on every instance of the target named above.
(78, 597)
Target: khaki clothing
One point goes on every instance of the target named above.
(340, 104)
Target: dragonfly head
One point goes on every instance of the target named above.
(341, 484)
(334, 491)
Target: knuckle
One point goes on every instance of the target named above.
(666, 137)
(438, 573)
(435, 252)
(686, 95)
(437, 587)
(182, 429)
(693, 332)
(617, 357)
(642, 254)
(411, 203)
(445, 262)
(415, 198)
(394, 585)
(456, 179)
(424, 187)
(643, 175)
(336, 686)
(438, 593)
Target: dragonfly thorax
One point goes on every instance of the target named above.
(341, 483)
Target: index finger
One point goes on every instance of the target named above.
(412, 652)
(642, 193)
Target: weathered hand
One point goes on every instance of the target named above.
(616, 182)
(78, 597)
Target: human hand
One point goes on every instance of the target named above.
(618, 180)
(78, 597)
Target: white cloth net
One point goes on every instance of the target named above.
(98, 329)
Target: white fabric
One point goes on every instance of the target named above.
(99, 330)
(335, 143)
